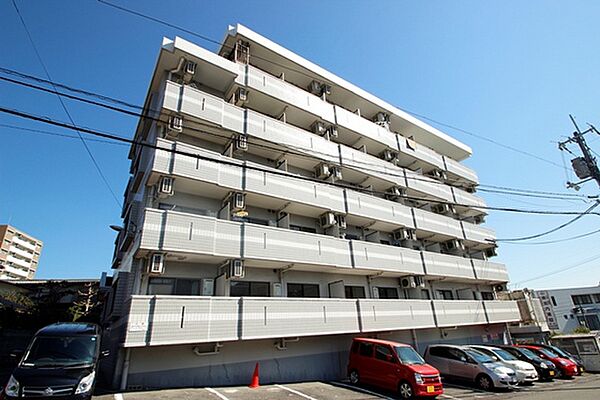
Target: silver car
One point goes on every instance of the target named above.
(526, 373)
(463, 363)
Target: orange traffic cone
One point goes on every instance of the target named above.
(254, 384)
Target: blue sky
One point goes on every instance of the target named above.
(508, 70)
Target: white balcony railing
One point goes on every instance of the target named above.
(502, 311)
(478, 233)
(368, 208)
(436, 224)
(460, 171)
(169, 320)
(490, 271)
(459, 312)
(410, 149)
(382, 257)
(445, 265)
(364, 127)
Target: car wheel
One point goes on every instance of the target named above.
(405, 390)
(354, 377)
(484, 382)
(559, 374)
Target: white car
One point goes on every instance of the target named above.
(526, 373)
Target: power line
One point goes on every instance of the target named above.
(557, 240)
(500, 189)
(560, 270)
(288, 68)
(50, 133)
(519, 239)
(47, 120)
(64, 107)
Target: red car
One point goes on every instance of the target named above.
(392, 366)
(565, 367)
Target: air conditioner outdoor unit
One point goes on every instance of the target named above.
(190, 67)
(241, 143)
(388, 155)
(322, 171)
(325, 89)
(314, 87)
(241, 96)
(443, 209)
(479, 219)
(395, 192)
(238, 201)
(419, 281)
(491, 252)
(439, 174)
(408, 282)
(340, 220)
(236, 269)
(176, 123)
(332, 132)
(404, 234)
(382, 119)
(454, 245)
(157, 263)
(319, 128)
(500, 288)
(166, 186)
(336, 173)
(327, 220)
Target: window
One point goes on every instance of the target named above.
(596, 297)
(366, 349)
(387, 293)
(302, 290)
(245, 288)
(425, 294)
(383, 352)
(161, 286)
(439, 352)
(553, 301)
(302, 229)
(251, 220)
(445, 294)
(487, 296)
(190, 287)
(355, 292)
(350, 236)
(581, 299)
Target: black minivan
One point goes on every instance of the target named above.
(60, 362)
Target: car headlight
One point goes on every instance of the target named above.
(12, 387)
(502, 372)
(86, 383)
(543, 366)
(418, 378)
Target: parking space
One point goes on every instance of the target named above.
(586, 387)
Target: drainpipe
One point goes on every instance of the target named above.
(125, 371)
(413, 333)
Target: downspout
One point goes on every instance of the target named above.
(125, 370)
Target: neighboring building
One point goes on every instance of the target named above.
(532, 327)
(289, 212)
(569, 308)
(19, 253)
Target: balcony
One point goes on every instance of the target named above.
(460, 172)
(377, 213)
(490, 271)
(444, 265)
(171, 320)
(288, 93)
(459, 312)
(470, 200)
(478, 236)
(386, 258)
(436, 227)
(365, 169)
(382, 315)
(427, 187)
(410, 150)
(166, 320)
(365, 131)
(285, 317)
(502, 311)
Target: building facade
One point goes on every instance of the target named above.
(19, 253)
(533, 326)
(280, 211)
(570, 308)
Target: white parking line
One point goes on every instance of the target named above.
(447, 396)
(213, 391)
(296, 392)
(118, 396)
(361, 390)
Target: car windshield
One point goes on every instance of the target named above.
(505, 355)
(548, 353)
(530, 354)
(478, 356)
(560, 352)
(408, 355)
(49, 351)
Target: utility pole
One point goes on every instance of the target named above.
(585, 167)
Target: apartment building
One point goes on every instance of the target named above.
(19, 253)
(281, 212)
(533, 326)
(568, 308)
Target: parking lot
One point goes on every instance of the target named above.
(583, 387)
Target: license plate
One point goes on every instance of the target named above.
(430, 389)
(551, 373)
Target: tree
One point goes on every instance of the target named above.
(87, 302)
(581, 330)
